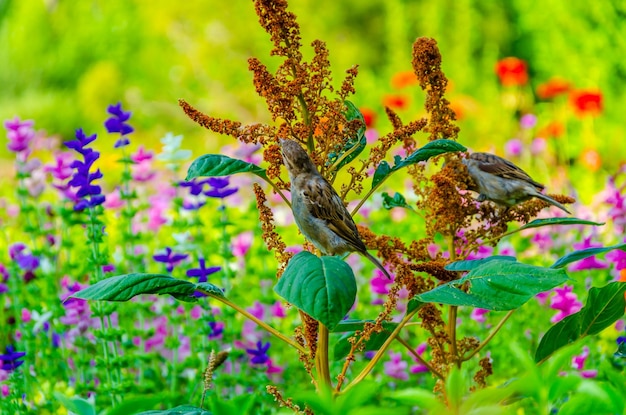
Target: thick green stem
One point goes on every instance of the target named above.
(321, 358)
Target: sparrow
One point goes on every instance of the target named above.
(317, 208)
(503, 182)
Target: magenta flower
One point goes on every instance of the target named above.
(590, 262)
(20, 135)
(419, 367)
(396, 367)
(513, 147)
(478, 315)
(241, 244)
(578, 362)
(380, 283)
(566, 302)
(528, 121)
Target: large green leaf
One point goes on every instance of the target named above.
(179, 410)
(469, 265)
(604, 306)
(125, 287)
(585, 253)
(76, 405)
(497, 284)
(323, 287)
(559, 221)
(433, 148)
(213, 165)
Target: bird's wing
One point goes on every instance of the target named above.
(500, 167)
(324, 203)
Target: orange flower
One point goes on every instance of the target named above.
(458, 109)
(403, 79)
(554, 87)
(369, 116)
(555, 129)
(586, 102)
(396, 101)
(512, 71)
(590, 158)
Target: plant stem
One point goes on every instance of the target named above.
(321, 357)
(419, 358)
(379, 354)
(488, 339)
(261, 324)
(281, 194)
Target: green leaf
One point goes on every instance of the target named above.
(558, 221)
(396, 201)
(585, 253)
(355, 145)
(376, 340)
(125, 287)
(432, 149)
(323, 287)
(179, 410)
(604, 307)
(382, 172)
(134, 404)
(213, 165)
(414, 304)
(475, 263)
(210, 289)
(79, 406)
(497, 284)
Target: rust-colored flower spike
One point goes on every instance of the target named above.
(427, 66)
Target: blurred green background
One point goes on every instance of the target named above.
(63, 62)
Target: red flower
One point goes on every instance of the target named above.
(369, 116)
(586, 102)
(403, 79)
(553, 88)
(512, 71)
(396, 101)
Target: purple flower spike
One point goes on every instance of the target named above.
(20, 134)
(88, 194)
(259, 355)
(11, 359)
(170, 258)
(219, 187)
(117, 124)
(202, 272)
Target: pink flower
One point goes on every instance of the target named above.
(538, 146)
(578, 362)
(25, 315)
(478, 315)
(565, 301)
(396, 367)
(419, 367)
(142, 155)
(241, 243)
(114, 200)
(514, 147)
(379, 283)
(589, 262)
(278, 310)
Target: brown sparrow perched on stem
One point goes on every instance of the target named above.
(318, 209)
(503, 182)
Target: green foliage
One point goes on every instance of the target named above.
(355, 145)
(76, 405)
(184, 410)
(396, 201)
(212, 165)
(495, 284)
(585, 253)
(323, 287)
(604, 307)
(431, 149)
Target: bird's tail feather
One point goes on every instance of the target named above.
(376, 262)
(552, 202)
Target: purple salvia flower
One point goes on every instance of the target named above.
(88, 194)
(117, 124)
(170, 258)
(219, 187)
(202, 272)
(259, 355)
(11, 359)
